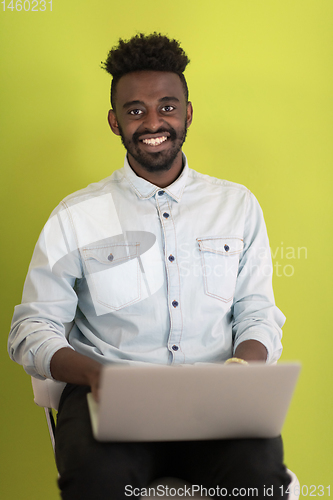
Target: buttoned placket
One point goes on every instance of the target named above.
(164, 204)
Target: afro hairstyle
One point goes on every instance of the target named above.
(154, 52)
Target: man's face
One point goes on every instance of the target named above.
(152, 116)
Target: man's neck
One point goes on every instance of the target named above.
(160, 178)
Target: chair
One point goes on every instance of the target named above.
(47, 394)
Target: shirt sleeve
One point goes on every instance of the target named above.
(41, 322)
(255, 313)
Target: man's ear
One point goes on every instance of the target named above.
(189, 114)
(113, 122)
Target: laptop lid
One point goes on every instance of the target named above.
(191, 402)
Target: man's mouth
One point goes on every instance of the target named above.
(155, 141)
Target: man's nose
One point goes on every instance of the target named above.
(153, 120)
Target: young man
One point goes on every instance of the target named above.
(155, 264)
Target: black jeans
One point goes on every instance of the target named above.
(113, 471)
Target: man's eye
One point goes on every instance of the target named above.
(168, 108)
(135, 112)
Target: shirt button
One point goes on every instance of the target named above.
(226, 248)
(166, 215)
(160, 193)
(175, 347)
(175, 303)
(171, 258)
(110, 257)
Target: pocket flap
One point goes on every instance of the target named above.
(111, 254)
(223, 246)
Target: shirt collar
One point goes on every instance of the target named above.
(145, 189)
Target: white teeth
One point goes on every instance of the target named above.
(155, 141)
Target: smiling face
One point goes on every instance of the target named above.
(152, 116)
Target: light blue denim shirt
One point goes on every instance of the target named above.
(126, 272)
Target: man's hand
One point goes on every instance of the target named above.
(69, 366)
(251, 350)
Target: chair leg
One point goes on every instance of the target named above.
(51, 425)
(294, 486)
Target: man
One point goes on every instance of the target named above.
(155, 264)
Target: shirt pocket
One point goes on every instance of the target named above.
(113, 274)
(219, 262)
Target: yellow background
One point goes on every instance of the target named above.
(260, 80)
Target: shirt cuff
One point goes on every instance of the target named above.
(45, 353)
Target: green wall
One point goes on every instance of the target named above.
(260, 81)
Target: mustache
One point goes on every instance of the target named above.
(172, 133)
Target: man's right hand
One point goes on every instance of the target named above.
(69, 366)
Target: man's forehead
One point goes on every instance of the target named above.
(150, 85)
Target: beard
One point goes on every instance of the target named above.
(155, 161)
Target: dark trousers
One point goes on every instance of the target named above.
(250, 468)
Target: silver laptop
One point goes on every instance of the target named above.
(191, 402)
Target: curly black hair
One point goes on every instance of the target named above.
(154, 52)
